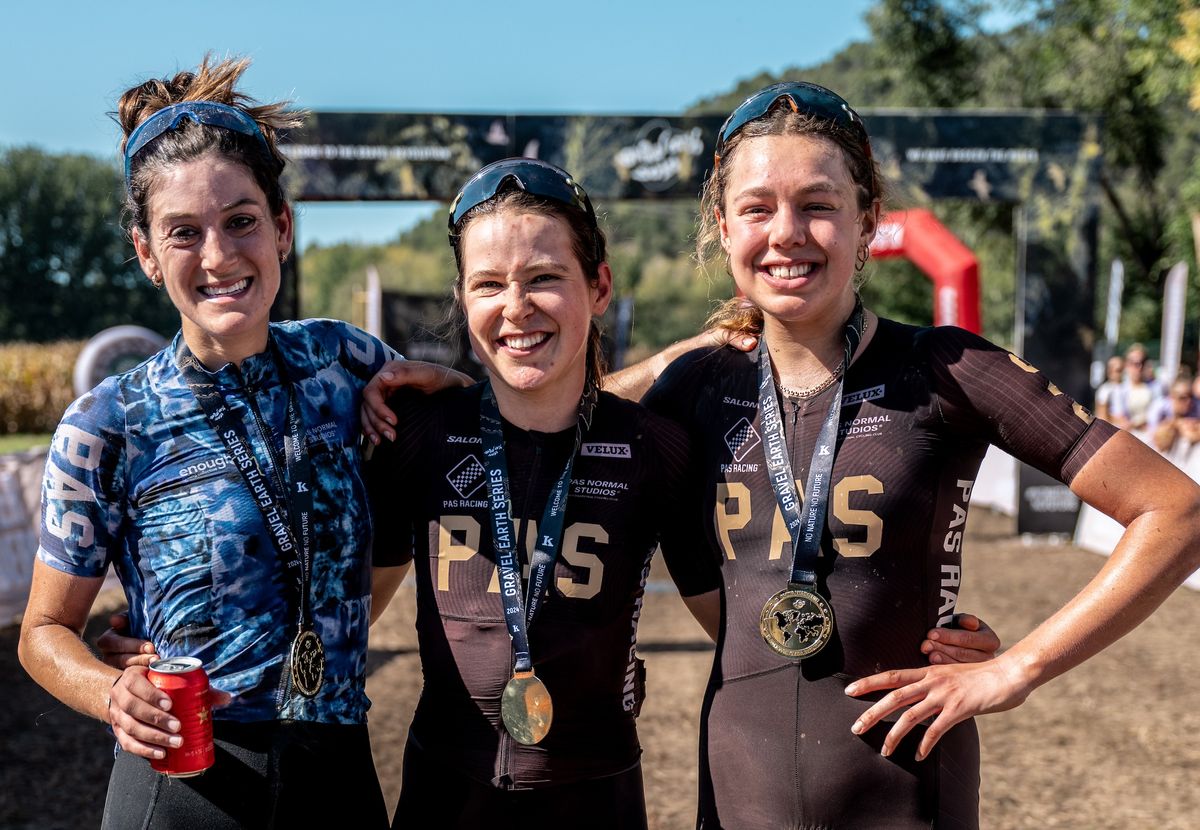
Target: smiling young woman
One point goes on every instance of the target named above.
(221, 480)
(531, 505)
(529, 306)
(839, 459)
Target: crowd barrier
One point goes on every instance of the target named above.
(996, 488)
(20, 496)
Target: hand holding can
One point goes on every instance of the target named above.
(184, 680)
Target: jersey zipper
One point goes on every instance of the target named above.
(285, 680)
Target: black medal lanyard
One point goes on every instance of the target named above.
(525, 707)
(805, 519)
(286, 512)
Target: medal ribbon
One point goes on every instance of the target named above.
(805, 526)
(287, 514)
(519, 615)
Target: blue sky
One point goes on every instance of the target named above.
(65, 63)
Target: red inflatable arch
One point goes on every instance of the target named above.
(920, 238)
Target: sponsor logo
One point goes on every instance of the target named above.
(326, 433)
(867, 425)
(741, 438)
(598, 489)
(212, 465)
(739, 402)
(874, 393)
(607, 450)
(463, 439)
(660, 156)
(467, 476)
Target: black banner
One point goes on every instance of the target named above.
(1045, 162)
(1005, 157)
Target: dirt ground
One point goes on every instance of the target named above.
(1111, 745)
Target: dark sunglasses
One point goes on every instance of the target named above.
(210, 113)
(801, 96)
(537, 177)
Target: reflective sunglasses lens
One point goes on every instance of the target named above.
(807, 98)
(531, 176)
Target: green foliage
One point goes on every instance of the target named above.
(35, 384)
(415, 264)
(21, 441)
(65, 264)
(1134, 62)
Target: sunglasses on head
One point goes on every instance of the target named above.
(800, 96)
(530, 175)
(210, 113)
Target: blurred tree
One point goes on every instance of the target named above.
(1135, 62)
(66, 267)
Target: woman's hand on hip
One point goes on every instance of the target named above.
(941, 695)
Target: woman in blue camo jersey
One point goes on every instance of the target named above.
(221, 480)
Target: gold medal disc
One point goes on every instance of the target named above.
(308, 663)
(526, 709)
(796, 622)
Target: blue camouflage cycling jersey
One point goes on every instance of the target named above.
(137, 478)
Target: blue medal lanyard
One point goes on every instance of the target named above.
(805, 520)
(286, 506)
(518, 615)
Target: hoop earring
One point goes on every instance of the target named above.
(860, 260)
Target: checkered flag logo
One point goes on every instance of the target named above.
(741, 438)
(467, 476)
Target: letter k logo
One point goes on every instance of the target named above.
(301, 487)
(824, 449)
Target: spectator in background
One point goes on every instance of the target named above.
(1114, 369)
(1179, 403)
(1131, 404)
(1174, 423)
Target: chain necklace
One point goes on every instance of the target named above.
(813, 391)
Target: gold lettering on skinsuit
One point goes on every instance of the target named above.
(732, 512)
(459, 539)
(451, 549)
(863, 518)
(590, 562)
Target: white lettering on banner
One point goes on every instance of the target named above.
(366, 152)
(1051, 498)
(972, 155)
(660, 156)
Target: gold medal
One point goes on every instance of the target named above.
(525, 708)
(796, 622)
(308, 663)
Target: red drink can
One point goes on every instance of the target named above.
(184, 681)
